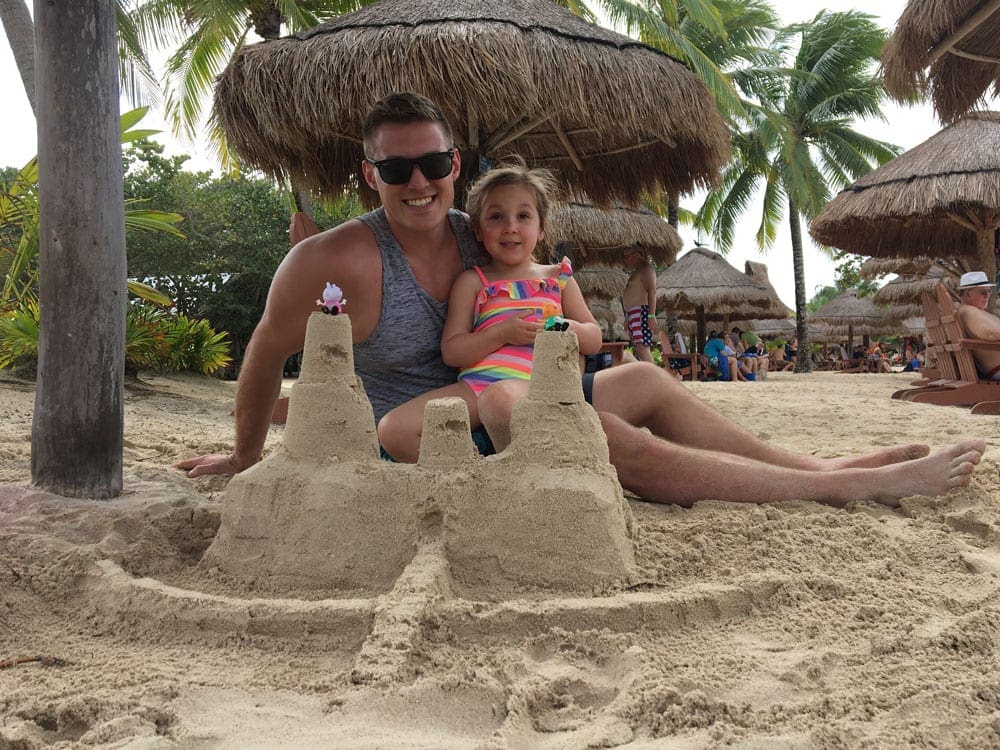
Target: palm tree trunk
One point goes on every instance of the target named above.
(673, 206)
(76, 436)
(803, 361)
(20, 30)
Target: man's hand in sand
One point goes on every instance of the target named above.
(213, 463)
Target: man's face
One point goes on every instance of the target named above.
(419, 203)
(977, 297)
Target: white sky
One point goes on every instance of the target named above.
(906, 127)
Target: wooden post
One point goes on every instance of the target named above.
(76, 436)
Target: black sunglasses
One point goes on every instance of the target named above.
(399, 169)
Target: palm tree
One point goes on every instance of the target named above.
(798, 140)
(136, 77)
(207, 33)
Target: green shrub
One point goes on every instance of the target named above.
(154, 340)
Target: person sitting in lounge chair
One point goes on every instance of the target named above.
(974, 296)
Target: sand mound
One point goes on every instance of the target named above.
(796, 626)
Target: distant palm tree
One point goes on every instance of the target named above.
(715, 38)
(798, 141)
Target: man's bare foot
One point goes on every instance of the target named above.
(935, 474)
(886, 456)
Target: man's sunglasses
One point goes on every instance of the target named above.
(398, 170)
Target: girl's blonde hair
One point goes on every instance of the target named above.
(541, 182)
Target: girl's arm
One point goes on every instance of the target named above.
(460, 347)
(581, 321)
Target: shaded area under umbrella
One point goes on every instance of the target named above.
(590, 234)
(950, 46)
(939, 199)
(613, 117)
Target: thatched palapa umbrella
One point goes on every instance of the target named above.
(850, 314)
(954, 45)
(906, 289)
(602, 235)
(702, 280)
(939, 199)
(601, 282)
(614, 117)
(873, 268)
(777, 309)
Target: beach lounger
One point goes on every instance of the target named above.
(968, 388)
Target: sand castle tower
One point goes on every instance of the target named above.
(323, 512)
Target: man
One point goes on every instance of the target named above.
(746, 344)
(974, 294)
(397, 265)
(639, 303)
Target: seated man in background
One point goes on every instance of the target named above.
(974, 290)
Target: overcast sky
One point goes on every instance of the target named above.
(906, 127)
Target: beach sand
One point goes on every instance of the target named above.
(791, 626)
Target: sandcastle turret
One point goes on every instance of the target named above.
(548, 513)
(322, 511)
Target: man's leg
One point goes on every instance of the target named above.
(693, 474)
(645, 396)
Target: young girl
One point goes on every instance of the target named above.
(495, 311)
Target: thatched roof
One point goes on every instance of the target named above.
(950, 46)
(774, 327)
(930, 201)
(777, 309)
(703, 278)
(602, 235)
(907, 288)
(614, 117)
(601, 282)
(609, 317)
(873, 268)
(860, 313)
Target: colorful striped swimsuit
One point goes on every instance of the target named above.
(499, 300)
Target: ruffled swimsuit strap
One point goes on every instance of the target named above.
(565, 272)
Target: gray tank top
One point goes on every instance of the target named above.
(402, 357)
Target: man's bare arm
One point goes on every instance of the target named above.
(979, 323)
(339, 256)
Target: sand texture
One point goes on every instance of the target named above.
(726, 625)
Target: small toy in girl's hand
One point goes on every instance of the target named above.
(553, 321)
(333, 301)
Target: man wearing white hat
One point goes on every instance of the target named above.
(974, 294)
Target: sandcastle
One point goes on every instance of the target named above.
(324, 513)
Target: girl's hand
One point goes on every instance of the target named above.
(518, 330)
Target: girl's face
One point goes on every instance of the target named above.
(509, 226)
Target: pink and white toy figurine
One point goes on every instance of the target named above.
(333, 300)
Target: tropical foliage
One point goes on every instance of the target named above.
(154, 340)
(797, 140)
(19, 211)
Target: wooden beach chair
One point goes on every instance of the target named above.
(944, 370)
(968, 388)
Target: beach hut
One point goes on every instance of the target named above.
(950, 46)
(590, 234)
(702, 284)
(939, 199)
(523, 77)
